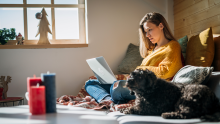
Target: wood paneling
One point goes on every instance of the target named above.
(189, 10)
(199, 26)
(193, 16)
(197, 17)
(184, 4)
(177, 1)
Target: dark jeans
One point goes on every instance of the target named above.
(119, 95)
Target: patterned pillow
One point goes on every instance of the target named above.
(183, 44)
(193, 75)
(131, 61)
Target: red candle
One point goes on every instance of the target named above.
(37, 100)
(32, 81)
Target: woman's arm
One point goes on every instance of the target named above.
(164, 63)
(160, 71)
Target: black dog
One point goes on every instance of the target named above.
(155, 96)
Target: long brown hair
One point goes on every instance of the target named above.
(145, 43)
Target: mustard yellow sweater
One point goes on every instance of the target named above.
(165, 61)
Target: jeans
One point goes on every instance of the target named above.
(119, 94)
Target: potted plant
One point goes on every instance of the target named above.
(7, 34)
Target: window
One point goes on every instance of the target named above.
(66, 19)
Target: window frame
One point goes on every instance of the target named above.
(55, 43)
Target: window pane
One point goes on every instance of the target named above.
(65, 1)
(33, 22)
(11, 1)
(8, 22)
(38, 2)
(66, 23)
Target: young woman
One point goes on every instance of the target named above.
(161, 53)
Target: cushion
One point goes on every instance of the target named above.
(193, 75)
(200, 49)
(131, 61)
(216, 60)
(183, 44)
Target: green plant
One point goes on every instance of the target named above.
(7, 34)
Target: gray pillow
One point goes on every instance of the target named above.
(193, 75)
(131, 61)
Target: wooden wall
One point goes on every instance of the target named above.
(193, 16)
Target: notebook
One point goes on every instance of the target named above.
(101, 70)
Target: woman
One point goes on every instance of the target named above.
(161, 53)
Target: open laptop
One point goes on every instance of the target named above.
(101, 70)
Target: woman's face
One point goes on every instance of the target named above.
(153, 32)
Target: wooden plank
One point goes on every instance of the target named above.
(82, 29)
(25, 21)
(42, 46)
(184, 5)
(82, 32)
(182, 32)
(53, 21)
(199, 26)
(213, 11)
(176, 2)
(202, 25)
(45, 5)
(196, 8)
(213, 2)
(215, 31)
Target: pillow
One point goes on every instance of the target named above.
(216, 60)
(131, 61)
(183, 44)
(193, 75)
(200, 49)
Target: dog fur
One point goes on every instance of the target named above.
(155, 96)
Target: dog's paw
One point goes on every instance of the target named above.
(122, 110)
(165, 115)
(126, 111)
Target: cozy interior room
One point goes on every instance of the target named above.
(105, 28)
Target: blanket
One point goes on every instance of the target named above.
(83, 99)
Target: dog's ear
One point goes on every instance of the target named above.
(152, 77)
(148, 78)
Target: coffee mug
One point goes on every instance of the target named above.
(26, 95)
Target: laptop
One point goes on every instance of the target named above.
(101, 70)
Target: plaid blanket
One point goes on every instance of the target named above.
(83, 99)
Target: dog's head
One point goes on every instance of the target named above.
(140, 80)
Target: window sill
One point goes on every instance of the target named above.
(42, 46)
(34, 45)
